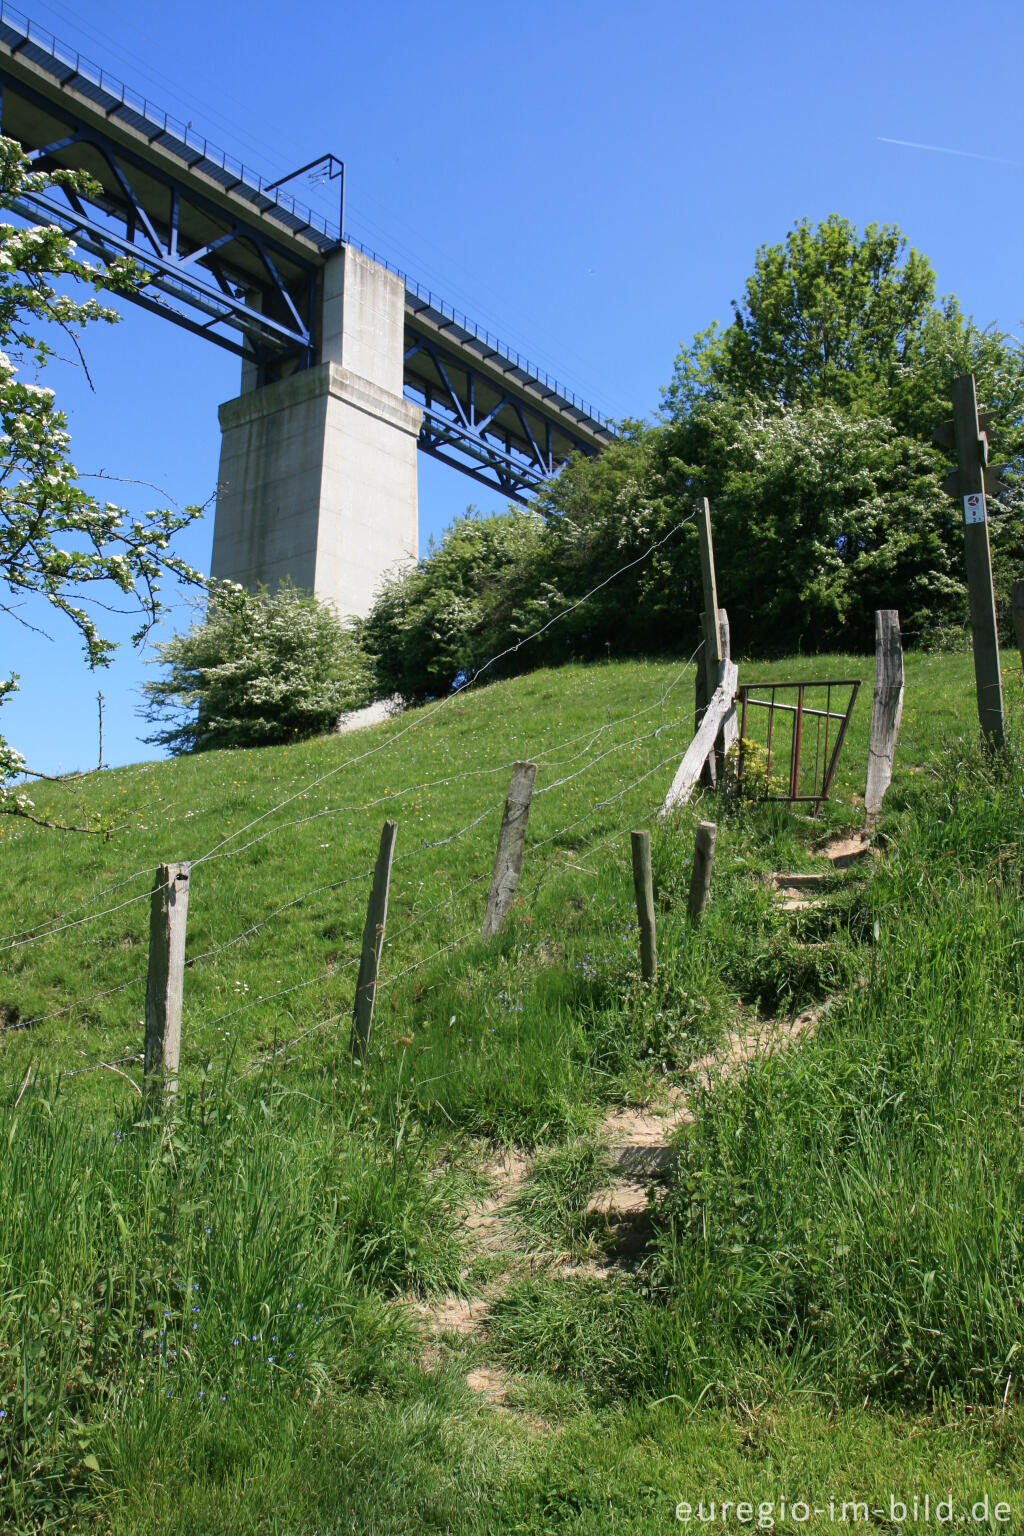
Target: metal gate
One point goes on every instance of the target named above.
(785, 735)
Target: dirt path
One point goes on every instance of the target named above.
(638, 1144)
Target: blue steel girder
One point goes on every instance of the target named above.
(231, 258)
(252, 295)
(479, 423)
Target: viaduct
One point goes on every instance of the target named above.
(348, 367)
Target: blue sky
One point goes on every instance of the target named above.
(590, 182)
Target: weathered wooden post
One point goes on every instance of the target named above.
(719, 716)
(165, 982)
(700, 877)
(886, 711)
(970, 481)
(1018, 617)
(373, 942)
(508, 857)
(711, 628)
(643, 884)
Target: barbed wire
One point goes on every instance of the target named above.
(109, 891)
(381, 986)
(39, 931)
(449, 698)
(591, 733)
(80, 1002)
(365, 875)
(552, 872)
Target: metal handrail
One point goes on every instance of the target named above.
(136, 102)
(507, 353)
(87, 70)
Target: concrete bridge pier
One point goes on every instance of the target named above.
(317, 477)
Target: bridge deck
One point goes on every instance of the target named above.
(239, 262)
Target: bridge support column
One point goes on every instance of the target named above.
(317, 476)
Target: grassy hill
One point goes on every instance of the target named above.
(221, 1328)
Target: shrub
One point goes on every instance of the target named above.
(260, 669)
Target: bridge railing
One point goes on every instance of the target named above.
(44, 49)
(37, 40)
(506, 353)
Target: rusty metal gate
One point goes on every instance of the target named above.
(794, 716)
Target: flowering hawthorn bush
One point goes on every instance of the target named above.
(56, 539)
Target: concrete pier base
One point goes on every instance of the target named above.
(317, 476)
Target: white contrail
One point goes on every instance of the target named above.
(940, 149)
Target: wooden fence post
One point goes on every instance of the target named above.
(729, 734)
(508, 857)
(373, 942)
(640, 847)
(1018, 616)
(714, 654)
(700, 878)
(165, 982)
(716, 719)
(972, 454)
(886, 711)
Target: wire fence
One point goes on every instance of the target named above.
(581, 753)
(63, 921)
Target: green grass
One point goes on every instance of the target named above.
(832, 1299)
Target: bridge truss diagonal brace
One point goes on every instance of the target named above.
(482, 427)
(228, 279)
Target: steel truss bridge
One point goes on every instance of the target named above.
(238, 261)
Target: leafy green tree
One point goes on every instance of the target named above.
(821, 516)
(827, 315)
(260, 669)
(58, 542)
(472, 595)
(808, 422)
(852, 320)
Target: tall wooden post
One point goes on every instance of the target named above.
(643, 884)
(373, 942)
(886, 710)
(972, 455)
(1018, 617)
(508, 857)
(715, 644)
(165, 983)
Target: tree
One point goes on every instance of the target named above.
(851, 320)
(825, 316)
(471, 595)
(260, 669)
(821, 516)
(808, 422)
(59, 543)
